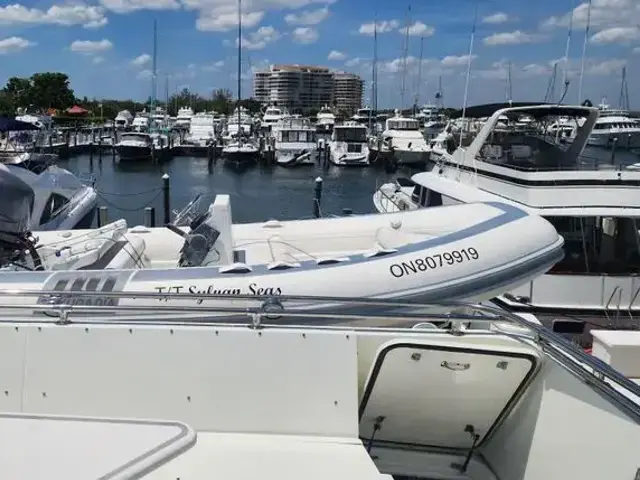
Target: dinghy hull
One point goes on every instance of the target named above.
(500, 247)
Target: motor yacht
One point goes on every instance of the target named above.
(184, 117)
(326, 120)
(615, 127)
(123, 120)
(348, 144)
(295, 142)
(202, 130)
(592, 202)
(402, 140)
(272, 115)
(60, 200)
(142, 146)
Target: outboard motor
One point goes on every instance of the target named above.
(15, 220)
(198, 243)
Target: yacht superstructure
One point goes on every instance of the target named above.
(326, 120)
(403, 140)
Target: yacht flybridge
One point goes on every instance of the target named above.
(594, 204)
(326, 120)
(457, 392)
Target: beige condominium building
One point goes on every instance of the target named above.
(303, 88)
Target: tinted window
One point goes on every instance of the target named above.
(53, 207)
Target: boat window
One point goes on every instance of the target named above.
(296, 136)
(598, 245)
(424, 197)
(403, 125)
(53, 207)
(351, 134)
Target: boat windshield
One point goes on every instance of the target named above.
(297, 136)
(351, 134)
(403, 124)
(598, 245)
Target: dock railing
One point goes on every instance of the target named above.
(259, 312)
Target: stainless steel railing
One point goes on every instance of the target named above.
(397, 314)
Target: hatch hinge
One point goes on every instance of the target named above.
(470, 429)
(377, 426)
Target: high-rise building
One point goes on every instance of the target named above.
(347, 92)
(303, 88)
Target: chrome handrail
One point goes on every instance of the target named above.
(591, 369)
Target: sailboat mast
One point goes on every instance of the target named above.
(239, 64)
(374, 72)
(154, 73)
(405, 53)
(565, 73)
(584, 51)
(509, 86)
(419, 85)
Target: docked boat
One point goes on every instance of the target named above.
(401, 140)
(184, 117)
(295, 142)
(241, 150)
(462, 252)
(348, 145)
(123, 120)
(615, 127)
(60, 200)
(472, 394)
(142, 146)
(272, 115)
(593, 203)
(325, 120)
(201, 130)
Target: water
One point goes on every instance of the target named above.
(258, 193)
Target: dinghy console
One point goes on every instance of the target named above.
(15, 218)
(207, 241)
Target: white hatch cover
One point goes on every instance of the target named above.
(441, 396)
(45, 447)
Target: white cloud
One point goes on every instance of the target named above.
(227, 21)
(616, 35)
(305, 35)
(127, 6)
(606, 67)
(14, 44)
(141, 60)
(144, 74)
(512, 38)
(419, 29)
(500, 71)
(213, 67)
(496, 18)
(97, 60)
(88, 47)
(604, 14)
(382, 27)
(259, 39)
(336, 55)
(456, 61)
(64, 15)
(353, 62)
(309, 17)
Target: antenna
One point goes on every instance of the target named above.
(405, 53)
(154, 73)
(623, 102)
(239, 67)
(584, 51)
(509, 92)
(551, 87)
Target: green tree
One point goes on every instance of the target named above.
(7, 107)
(18, 91)
(51, 90)
(221, 101)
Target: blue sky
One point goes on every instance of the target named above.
(105, 45)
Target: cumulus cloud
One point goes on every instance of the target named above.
(457, 61)
(512, 38)
(496, 18)
(88, 47)
(616, 35)
(336, 55)
(63, 15)
(141, 60)
(305, 35)
(128, 6)
(259, 39)
(227, 21)
(14, 44)
(309, 17)
(419, 29)
(381, 27)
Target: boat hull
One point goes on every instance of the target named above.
(625, 140)
(292, 159)
(503, 249)
(127, 153)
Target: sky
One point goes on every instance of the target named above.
(105, 46)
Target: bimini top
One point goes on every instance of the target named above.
(535, 109)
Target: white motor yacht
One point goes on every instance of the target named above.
(272, 115)
(295, 142)
(183, 118)
(123, 120)
(615, 127)
(593, 203)
(142, 146)
(401, 140)
(202, 130)
(348, 144)
(325, 120)
(60, 200)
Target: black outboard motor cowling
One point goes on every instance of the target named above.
(16, 204)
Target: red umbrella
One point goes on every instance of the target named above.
(77, 110)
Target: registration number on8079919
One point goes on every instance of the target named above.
(431, 262)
